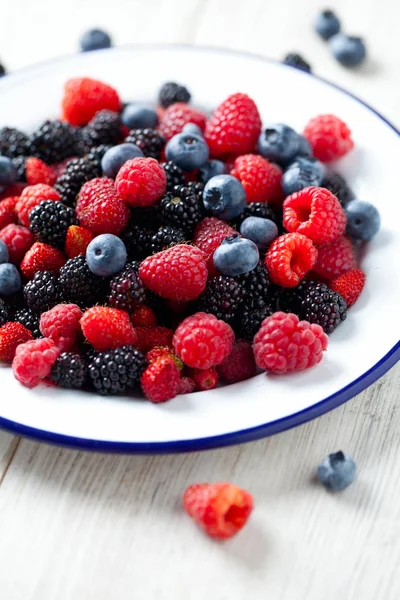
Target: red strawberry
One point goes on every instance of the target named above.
(77, 240)
(11, 336)
(349, 286)
(160, 381)
(107, 328)
(84, 97)
(42, 257)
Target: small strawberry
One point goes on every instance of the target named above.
(11, 336)
(160, 381)
(143, 316)
(42, 257)
(163, 352)
(84, 97)
(77, 240)
(349, 286)
(204, 379)
(107, 328)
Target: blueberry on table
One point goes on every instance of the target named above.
(337, 471)
(350, 51)
(10, 279)
(139, 116)
(327, 24)
(224, 196)
(188, 151)
(279, 143)
(236, 256)
(95, 39)
(117, 156)
(106, 255)
(260, 231)
(363, 220)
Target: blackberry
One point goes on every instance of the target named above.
(13, 142)
(146, 217)
(126, 290)
(137, 241)
(257, 209)
(79, 284)
(197, 187)
(49, 221)
(78, 171)
(250, 321)
(28, 319)
(337, 184)
(4, 312)
(222, 297)
(297, 61)
(42, 292)
(314, 302)
(20, 163)
(166, 237)
(181, 208)
(172, 92)
(173, 174)
(150, 141)
(256, 284)
(54, 141)
(104, 128)
(116, 371)
(69, 371)
(96, 153)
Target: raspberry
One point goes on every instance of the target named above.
(330, 138)
(150, 141)
(239, 364)
(11, 336)
(349, 286)
(221, 509)
(202, 341)
(84, 97)
(148, 338)
(99, 208)
(179, 273)
(143, 316)
(234, 127)
(33, 361)
(32, 196)
(335, 259)
(36, 171)
(204, 379)
(69, 371)
(315, 213)
(61, 324)
(177, 116)
(42, 257)
(107, 328)
(15, 189)
(284, 344)
(186, 385)
(42, 292)
(160, 381)
(126, 290)
(77, 240)
(141, 182)
(208, 235)
(260, 178)
(163, 352)
(8, 214)
(289, 258)
(18, 240)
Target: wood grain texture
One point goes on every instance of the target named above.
(95, 527)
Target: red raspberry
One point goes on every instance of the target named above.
(349, 286)
(260, 178)
(15, 189)
(11, 336)
(204, 379)
(239, 365)
(107, 328)
(202, 341)
(36, 171)
(31, 197)
(221, 509)
(84, 97)
(176, 116)
(33, 361)
(186, 385)
(7, 211)
(289, 258)
(330, 138)
(178, 273)
(335, 259)
(77, 240)
(141, 181)
(143, 316)
(163, 352)
(234, 126)
(18, 240)
(160, 381)
(42, 257)
(285, 344)
(316, 213)
(100, 209)
(148, 338)
(61, 324)
(208, 235)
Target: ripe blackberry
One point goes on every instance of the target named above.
(96, 153)
(173, 174)
(256, 284)
(314, 302)
(337, 184)
(127, 290)
(150, 141)
(4, 312)
(166, 237)
(197, 187)
(257, 209)
(250, 321)
(49, 221)
(222, 297)
(42, 292)
(79, 285)
(13, 142)
(69, 371)
(172, 92)
(181, 208)
(20, 163)
(297, 61)
(116, 371)
(77, 172)
(28, 319)
(146, 217)
(54, 141)
(137, 241)
(104, 128)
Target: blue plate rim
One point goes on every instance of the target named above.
(234, 437)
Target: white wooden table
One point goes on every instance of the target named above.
(75, 525)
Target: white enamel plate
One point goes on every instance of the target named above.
(360, 350)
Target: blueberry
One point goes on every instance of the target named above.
(236, 256)
(188, 151)
(304, 146)
(95, 39)
(8, 172)
(212, 168)
(139, 116)
(327, 24)
(337, 471)
(117, 156)
(279, 143)
(224, 196)
(10, 279)
(192, 129)
(106, 255)
(303, 172)
(349, 51)
(260, 231)
(363, 220)
(4, 256)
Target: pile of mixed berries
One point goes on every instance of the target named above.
(160, 248)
